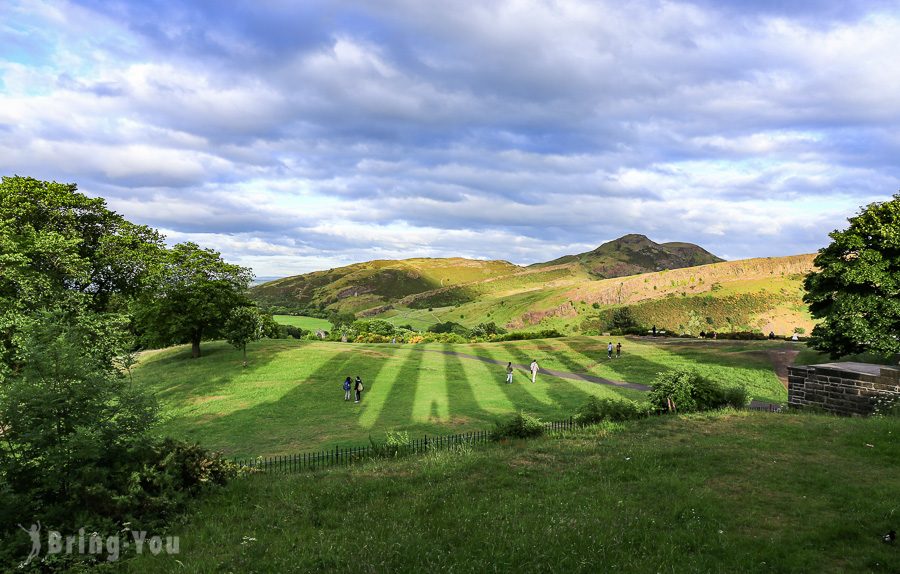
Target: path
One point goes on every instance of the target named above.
(781, 360)
(758, 405)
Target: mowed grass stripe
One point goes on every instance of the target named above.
(289, 397)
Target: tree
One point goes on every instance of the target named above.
(63, 251)
(244, 325)
(194, 291)
(856, 289)
(623, 318)
(68, 416)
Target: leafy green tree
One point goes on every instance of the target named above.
(623, 318)
(244, 325)
(856, 289)
(61, 250)
(68, 415)
(487, 329)
(194, 291)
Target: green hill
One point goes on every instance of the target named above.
(694, 291)
(367, 285)
(634, 254)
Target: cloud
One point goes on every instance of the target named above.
(303, 135)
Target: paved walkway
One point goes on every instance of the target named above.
(757, 405)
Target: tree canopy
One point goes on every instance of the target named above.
(63, 251)
(193, 293)
(856, 290)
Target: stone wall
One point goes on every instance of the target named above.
(842, 388)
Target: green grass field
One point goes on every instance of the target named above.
(742, 363)
(724, 492)
(308, 323)
(289, 397)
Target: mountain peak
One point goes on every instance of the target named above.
(636, 253)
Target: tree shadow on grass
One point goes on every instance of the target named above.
(393, 407)
(175, 376)
(463, 404)
(629, 367)
(309, 413)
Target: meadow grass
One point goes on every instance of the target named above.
(302, 322)
(738, 363)
(721, 492)
(289, 398)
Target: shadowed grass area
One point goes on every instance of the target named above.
(289, 397)
(723, 492)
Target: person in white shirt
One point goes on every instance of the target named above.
(534, 370)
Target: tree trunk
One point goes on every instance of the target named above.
(195, 347)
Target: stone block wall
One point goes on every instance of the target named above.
(845, 390)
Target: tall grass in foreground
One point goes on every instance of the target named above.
(719, 492)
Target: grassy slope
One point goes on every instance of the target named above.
(308, 323)
(365, 285)
(763, 294)
(745, 492)
(289, 398)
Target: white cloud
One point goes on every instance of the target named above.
(521, 130)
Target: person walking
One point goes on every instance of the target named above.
(359, 389)
(348, 384)
(534, 370)
(618, 350)
(509, 372)
(609, 350)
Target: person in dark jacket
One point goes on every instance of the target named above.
(359, 389)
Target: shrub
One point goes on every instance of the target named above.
(295, 332)
(886, 406)
(689, 390)
(622, 318)
(737, 397)
(528, 335)
(395, 443)
(487, 329)
(520, 425)
(449, 327)
(597, 410)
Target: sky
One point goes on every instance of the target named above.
(296, 136)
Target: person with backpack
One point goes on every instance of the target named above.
(359, 389)
(347, 386)
(618, 350)
(509, 372)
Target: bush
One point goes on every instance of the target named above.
(487, 329)
(737, 397)
(528, 335)
(597, 410)
(450, 327)
(396, 442)
(690, 392)
(519, 426)
(295, 332)
(374, 326)
(887, 406)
